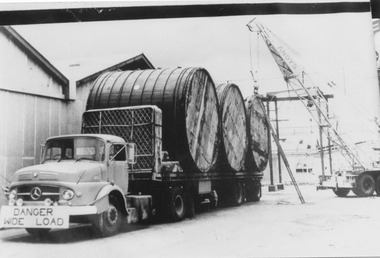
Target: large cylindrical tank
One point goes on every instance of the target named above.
(258, 149)
(234, 128)
(188, 100)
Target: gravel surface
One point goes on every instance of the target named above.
(277, 226)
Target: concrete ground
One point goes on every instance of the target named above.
(277, 226)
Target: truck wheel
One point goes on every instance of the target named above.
(355, 191)
(214, 200)
(253, 191)
(190, 209)
(177, 207)
(108, 223)
(38, 232)
(341, 192)
(238, 196)
(377, 189)
(365, 185)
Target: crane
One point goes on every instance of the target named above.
(362, 178)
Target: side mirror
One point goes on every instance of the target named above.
(131, 158)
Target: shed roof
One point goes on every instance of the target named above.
(75, 72)
(35, 55)
(82, 70)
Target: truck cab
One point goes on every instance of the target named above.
(80, 178)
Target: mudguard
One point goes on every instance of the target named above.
(101, 201)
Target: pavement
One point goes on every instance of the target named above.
(277, 226)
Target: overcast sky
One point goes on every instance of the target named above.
(337, 45)
(332, 42)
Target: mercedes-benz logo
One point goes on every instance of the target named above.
(36, 193)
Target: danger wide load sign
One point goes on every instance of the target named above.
(34, 217)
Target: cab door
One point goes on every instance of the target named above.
(118, 166)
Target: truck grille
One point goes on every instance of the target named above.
(38, 193)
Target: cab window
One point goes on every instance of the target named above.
(117, 152)
(78, 148)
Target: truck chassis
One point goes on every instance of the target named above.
(362, 183)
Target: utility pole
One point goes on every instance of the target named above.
(321, 140)
(328, 138)
(280, 185)
(271, 187)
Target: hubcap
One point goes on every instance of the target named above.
(178, 204)
(239, 194)
(112, 216)
(367, 185)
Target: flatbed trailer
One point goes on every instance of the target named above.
(116, 171)
(155, 174)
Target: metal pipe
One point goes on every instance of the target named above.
(321, 140)
(270, 147)
(328, 138)
(278, 135)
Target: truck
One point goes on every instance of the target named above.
(118, 176)
(361, 174)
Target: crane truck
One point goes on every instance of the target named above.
(362, 177)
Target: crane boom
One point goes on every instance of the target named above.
(306, 90)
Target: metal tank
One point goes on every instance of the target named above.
(188, 100)
(258, 153)
(234, 128)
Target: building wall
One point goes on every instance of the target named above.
(32, 108)
(20, 72)
(27, 121)
(376, 36)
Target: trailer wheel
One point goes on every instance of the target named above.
(38, 232)
(177, 206)
(214, 199)
(341, 192)
(365, 185)
(377, 188)
(190, 209)
(238, 194)
(253, 191)
(108, 223)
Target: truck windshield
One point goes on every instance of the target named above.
(80, 148)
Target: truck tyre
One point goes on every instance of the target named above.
(341, 192)
(190, 209)
(365, 185)
(177, 205)
(355, 191)
(38, 232)
(377, 189)
(108, 223)
(214, 200)
(238, 194)
(253, 191)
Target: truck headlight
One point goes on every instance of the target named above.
(68, 194)
(11, 202)
(12, 195)
(19, 202)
